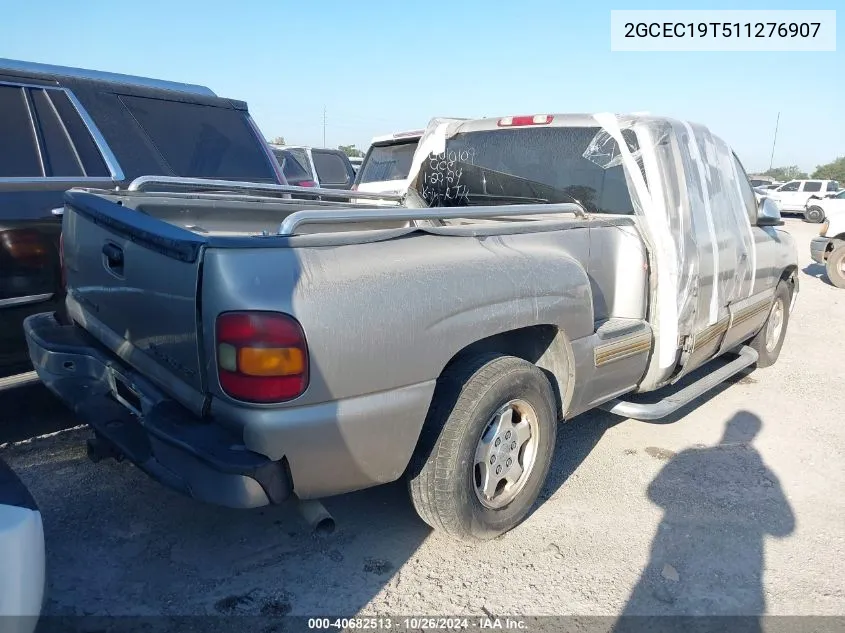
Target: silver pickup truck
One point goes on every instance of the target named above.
(245, 347)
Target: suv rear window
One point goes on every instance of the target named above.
(291, 167)
(388, 162)
(526, 165)
(331, 168)
(199, 141)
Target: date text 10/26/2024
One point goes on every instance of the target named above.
(483, 623)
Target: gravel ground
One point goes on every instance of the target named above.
(733, 507)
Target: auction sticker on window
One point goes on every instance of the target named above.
(722, 30)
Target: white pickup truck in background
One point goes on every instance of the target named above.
(794, 197)
(386, 165)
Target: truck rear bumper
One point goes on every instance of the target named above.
(818, 246)
(196, 457)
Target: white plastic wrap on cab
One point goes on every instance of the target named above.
(684, 185)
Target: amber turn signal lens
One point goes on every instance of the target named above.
(823, 229)
(271, 361)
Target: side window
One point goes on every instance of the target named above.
(331, 169)
(19, 156)
(92, 161)
(748, 196)
(812, 185)
(43, 135)
(790, 186)
(60, 157)
(832, 185)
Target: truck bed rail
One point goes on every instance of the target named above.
(334, 216)
(145, 183)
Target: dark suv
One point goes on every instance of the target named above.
(64, 127)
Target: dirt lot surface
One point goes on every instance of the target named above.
(735, 505)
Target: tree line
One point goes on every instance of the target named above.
(834, 170)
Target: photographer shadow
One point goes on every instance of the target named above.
(707, 558)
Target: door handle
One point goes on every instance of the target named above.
(113, 257)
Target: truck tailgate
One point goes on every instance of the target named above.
(132, 282)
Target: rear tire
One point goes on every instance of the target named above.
(769, 340)
(814, 214)
(488, 412)
(835, 266)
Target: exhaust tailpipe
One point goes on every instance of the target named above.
(316, 515)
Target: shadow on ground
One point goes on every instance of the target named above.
(31, 411)
(707, 557)
(816, 271)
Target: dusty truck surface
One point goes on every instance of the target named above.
(246, 349)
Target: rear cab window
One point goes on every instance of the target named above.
(44, 136)
(200, 141)
(812, 185)
(331, 168)
(525, 165)
(388, 162)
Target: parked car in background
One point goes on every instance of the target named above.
(22, 571)
(759, 181)
(765, 188)
(829, 248)
(537, 269)
(67, 127)
(793, 196)
(387, 163)
(296, 173)
(327, 168)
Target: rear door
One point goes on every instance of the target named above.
(133, 283)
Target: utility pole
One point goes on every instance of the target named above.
(775, 140)
(324, 126)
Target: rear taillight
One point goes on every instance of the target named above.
(261, 356)
(516, 121)
(307, 183)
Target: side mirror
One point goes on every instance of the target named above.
(768, 213)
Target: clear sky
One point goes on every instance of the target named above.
(379, 66)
